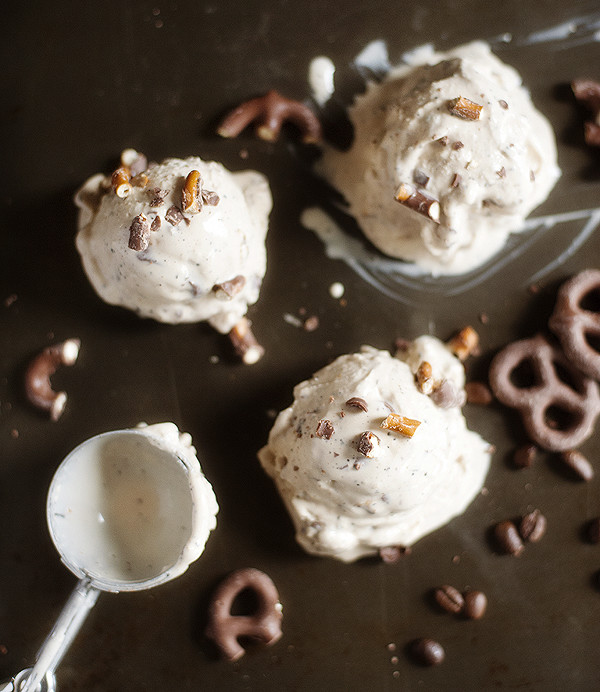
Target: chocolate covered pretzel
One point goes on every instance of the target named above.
(559, 408)
(574, 324)
(265, 624)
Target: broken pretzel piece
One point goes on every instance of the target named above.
(418, 201)
(194, 197)
(37, 376)
(270, 112)
(464, 108)
(244, 342)
(400, 424)
(465, 343)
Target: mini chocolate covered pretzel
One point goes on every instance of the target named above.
(576, 401)
(574, 324)
(265, 624)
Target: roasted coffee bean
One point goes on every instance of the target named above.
(475, 604)
(524, 456)
(579, 464)
(449, 599)
(533, 526)
(508, 538)
(592, 530)
(427, 652)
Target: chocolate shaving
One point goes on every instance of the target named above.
(174, 215)
(443, 140)
(367, 444)
(457, 145)
(420, 177)
(157, 196)
(456, 180)
(228, 289)
(325, 429)
(357, 402)
(139, 233)
(501, 173)
(503, 104)
(156, 224)
(418, 201)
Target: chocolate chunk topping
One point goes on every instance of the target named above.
(357, 402)
(325, 429)
(138, 233)
(525, 455)
(368, 443)
(478, 393)
(174, 215)
(228, 289)
(156, 224)
(420, 177)
(157, 196)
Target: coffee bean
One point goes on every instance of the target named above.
(427, 651)
(475, 604)
(579, 464)
(508, 538)
(533, 526)
(593, 530)
(449, 599)
(524, 456)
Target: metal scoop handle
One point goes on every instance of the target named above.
(41, 678)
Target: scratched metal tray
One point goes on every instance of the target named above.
(82, 81)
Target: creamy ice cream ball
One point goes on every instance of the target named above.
(148, 247)
(352, 486)
(449, 157)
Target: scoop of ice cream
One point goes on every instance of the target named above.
(186, 266)
(468, 171)
(353, 487)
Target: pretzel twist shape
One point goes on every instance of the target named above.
(265, 624)
(574, 325)
(580, 401)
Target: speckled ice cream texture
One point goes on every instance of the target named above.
(174, 279)
(488, 176)
(347, 506)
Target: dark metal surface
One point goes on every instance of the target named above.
(83, 80)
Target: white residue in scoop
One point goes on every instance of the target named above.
(320, 78)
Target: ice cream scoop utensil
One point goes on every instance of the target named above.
(121, 512)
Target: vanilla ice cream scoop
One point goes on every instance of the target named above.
(365, 459)
(449, 157)
(181, 241)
